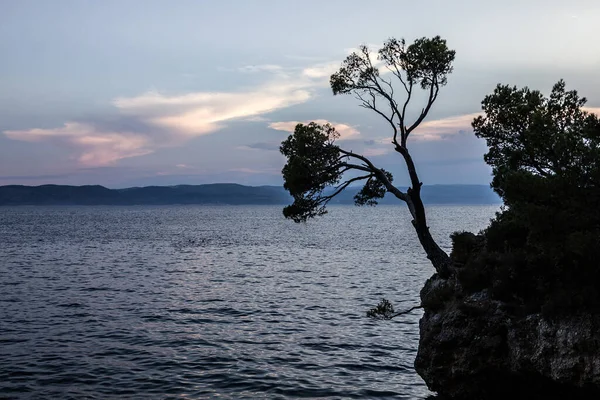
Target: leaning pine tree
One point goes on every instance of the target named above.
(317, 169)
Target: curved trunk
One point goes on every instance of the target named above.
(438, 257)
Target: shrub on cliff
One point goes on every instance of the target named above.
(542, 252)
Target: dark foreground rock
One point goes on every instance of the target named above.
(475, 347)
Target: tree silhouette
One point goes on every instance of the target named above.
(317, 169)
(541, 252)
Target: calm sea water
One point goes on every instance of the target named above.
(205, 302)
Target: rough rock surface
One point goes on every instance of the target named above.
(475, 347)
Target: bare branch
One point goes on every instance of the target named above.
(358, 156)
(340, 188)
(372, 105)
(379, 174)
(406, 311)
(433, 92)
(388, 96)
(402, 127)
(354, 166)
(388, 83)
(396, 72)
(375, 78)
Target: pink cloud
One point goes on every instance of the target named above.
(197, 114)
(321, 70)
(444, 128)
(95, 147)
(171, 120)
(345, 131)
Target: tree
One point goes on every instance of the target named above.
(541, 252)
(315, 163)
(529, 134)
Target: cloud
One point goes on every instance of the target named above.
(376, 151)
(324, 70)
(198, 114)
(96, 147)
(261, 68)
(155, 120)
(270, 146)
(435, 130)
(246, 170)
(345, 131)
(256, 119)
(321, 70)
(444, 128)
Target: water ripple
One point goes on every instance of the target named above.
(206, 302)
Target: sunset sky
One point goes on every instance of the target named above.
(143, 92)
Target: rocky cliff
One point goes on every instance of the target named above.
(473, 346)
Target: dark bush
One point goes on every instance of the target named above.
(542, 251)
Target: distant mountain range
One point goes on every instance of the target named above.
(219, 193)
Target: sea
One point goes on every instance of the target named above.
(203, 302)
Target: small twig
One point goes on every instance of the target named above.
(385, 310)
(406, 311)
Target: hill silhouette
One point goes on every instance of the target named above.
(219, 193)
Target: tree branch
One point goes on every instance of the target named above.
(433, 92)
(375, 78)
(406, 311)
(385, 310)
(404, 135)
(371, 105)
(398, 75)
(379, 175)
(354, 166)
(340, 188)
(410, 166)
(358, 156)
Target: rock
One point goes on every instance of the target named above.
(473, 346)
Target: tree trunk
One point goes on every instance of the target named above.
(438, 257)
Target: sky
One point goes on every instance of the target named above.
(148, 92)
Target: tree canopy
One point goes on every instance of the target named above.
(550, 137)
(542, 250)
